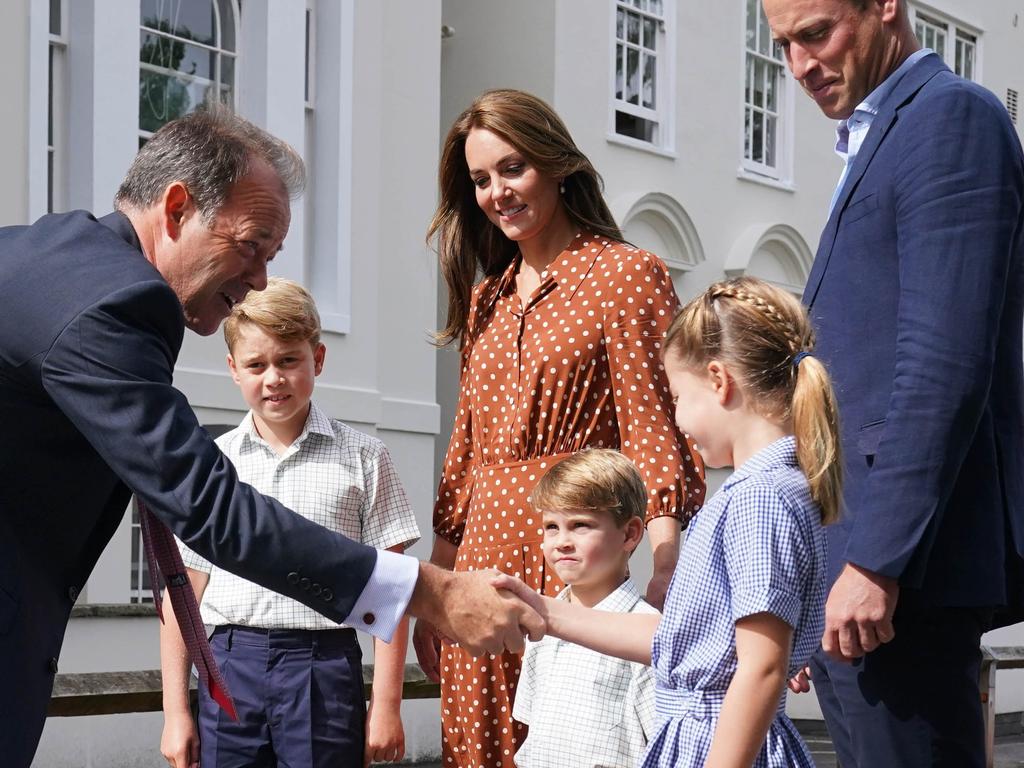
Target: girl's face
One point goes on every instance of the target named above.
(514, 195)
(700, 398)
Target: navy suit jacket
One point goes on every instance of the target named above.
(917, 295)
(88, 342)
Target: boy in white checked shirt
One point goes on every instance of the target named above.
(585, 709)
(296, 677)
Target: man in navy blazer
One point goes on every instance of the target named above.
(917, 295)
(94, 313)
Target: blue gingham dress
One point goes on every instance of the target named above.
(757, 546)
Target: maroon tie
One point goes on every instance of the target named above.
(163, 557)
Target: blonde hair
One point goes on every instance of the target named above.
(759, 331)
(597, 479)
(284, 310)
(466, 240)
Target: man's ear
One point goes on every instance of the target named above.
(176, 207)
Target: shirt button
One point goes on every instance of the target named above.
(53, 665)
(293, 578)
(368, 619)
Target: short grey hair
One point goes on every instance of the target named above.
(208, 151)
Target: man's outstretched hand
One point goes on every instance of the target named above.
(465, 607)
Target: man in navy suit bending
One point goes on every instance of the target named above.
(916, 292)
(93, 317)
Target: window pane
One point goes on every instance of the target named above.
(632, 76)
(620, 24)
(748, 95)
(55, 20)
(764, 33)
(650, 34)
(182, 57)
(769, 141)
(771, 79)
(620, 65)
(190, 19)
(49, 99)
(163, 98)
(747, 131)
(650, 86)
(757, 138)
(633, 29)
(636, 127)
(752, 6)
(656, 7)
(758, 83)
(227, 26)
(49, 181)
(940, 44)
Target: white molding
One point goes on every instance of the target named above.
(673, 224)
(38, 107)
(791, 250)
(216, 391)
(745, 174)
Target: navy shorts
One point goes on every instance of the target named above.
(299, 697)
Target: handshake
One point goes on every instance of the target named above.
(466, 607)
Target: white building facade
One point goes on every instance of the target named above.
(711, 156)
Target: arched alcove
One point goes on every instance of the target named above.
(776, 253)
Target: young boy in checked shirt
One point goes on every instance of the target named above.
(296, 677)
(585, 709)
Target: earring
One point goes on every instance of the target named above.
(561, 187)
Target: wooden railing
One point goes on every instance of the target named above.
(992, 660)
(109, 693)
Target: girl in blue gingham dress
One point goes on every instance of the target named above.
(745, 608)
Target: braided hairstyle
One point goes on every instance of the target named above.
(759, 332)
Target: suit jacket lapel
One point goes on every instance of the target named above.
(905, 90)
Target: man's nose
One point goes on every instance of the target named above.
(800, 61)
(256, 276)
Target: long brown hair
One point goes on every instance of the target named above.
(466, 240)
(759, 330)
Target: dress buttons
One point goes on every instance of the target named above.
(368, 619)
(72, 593)
(53, 665)
(293, 578)
(328, 595)
(304, 583)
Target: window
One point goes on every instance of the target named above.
(140, 591)
(642, 63)
(186, 57)
(765, 97)
(956, 44)
(56, 141)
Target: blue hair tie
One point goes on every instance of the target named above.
(798, 357)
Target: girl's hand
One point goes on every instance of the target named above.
(427, 642)
(801, 681)
(385, 737)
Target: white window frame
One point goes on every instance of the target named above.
(663, 114)
(954, 30)
(218, 48)
(781, 174)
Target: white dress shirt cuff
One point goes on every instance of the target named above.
(383, 601)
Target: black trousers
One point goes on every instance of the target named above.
(911, 702)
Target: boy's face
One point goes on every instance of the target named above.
(588, 550)
(276, 377)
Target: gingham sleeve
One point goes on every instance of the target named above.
(388, 518)
(764, 550)
(192, 560)
(527, 684)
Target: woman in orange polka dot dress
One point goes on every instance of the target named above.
(560, 349)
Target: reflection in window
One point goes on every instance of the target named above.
(187, 57)
(639, 68)
(763, 93)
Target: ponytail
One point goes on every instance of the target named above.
(816, 427)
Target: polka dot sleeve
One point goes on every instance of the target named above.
(639, 311)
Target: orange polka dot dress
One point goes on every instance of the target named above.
(578, 366)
